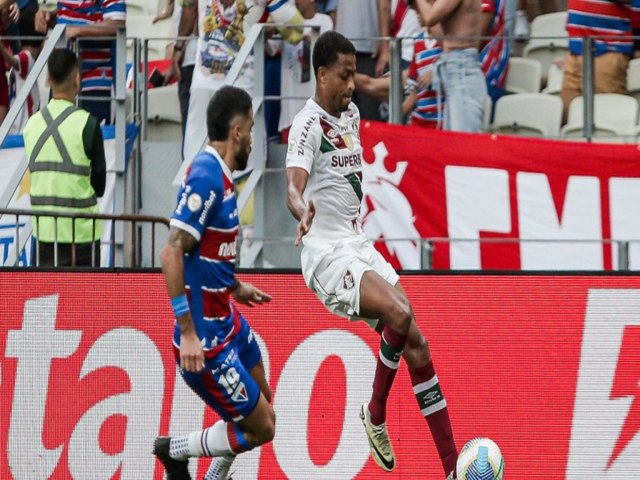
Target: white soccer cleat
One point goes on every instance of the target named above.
(219, 468)
(379, 443)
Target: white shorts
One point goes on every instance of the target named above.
(334, 275)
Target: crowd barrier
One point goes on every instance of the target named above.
(11, 231)
(546, 365)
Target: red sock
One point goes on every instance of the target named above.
(391, 345)
(237, 440)
(434, 408)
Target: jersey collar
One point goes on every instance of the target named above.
(212, 151)
(316, 106)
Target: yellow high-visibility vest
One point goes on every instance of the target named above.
(60, 173)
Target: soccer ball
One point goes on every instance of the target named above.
(480, 459)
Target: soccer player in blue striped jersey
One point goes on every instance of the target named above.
(216, 349)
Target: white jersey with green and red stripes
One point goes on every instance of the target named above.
(329, 149)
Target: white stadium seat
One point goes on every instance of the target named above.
(528, 114)
(549, 39)
(163, 114)
(554, 80)
(524, 75)
(633, 78)
(615, 117)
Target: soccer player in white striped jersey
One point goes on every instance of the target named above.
(339, 264)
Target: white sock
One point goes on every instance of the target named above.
(219, 466)
(211, 442)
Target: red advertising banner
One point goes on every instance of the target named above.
(492, 189)
(547, 366)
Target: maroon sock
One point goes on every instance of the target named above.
(434, 408)
(391, 345)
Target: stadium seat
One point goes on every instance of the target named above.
(163, 114)
(615, 118)
(486, 117)
(549, 39)
(524, 75)
(528, 114)
(554, 80)
(633, 78)
(163, 103)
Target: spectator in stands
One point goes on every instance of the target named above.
(495, 52)
(21, 64)
(328, 7)
(92, 18)
(296, 65)
(612, 22)
(363, 21)
(421, 99)
(405, 23)
(223, 24)
(65, 150)
(184, 61)
(458, 72)
(9, 13)
(25, 7)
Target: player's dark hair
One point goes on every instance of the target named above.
(27, 28)
(223, 107)
(61, 65)
(328, 47)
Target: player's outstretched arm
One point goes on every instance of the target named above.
(249, 295)
(172, 259)
(303, 212)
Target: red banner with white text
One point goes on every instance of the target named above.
(547, 366)
(564, 200)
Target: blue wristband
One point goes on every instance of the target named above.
(180, 305)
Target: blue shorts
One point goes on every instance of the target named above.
(225, 383)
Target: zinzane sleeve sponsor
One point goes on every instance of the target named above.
(196, 199)
(304, 142)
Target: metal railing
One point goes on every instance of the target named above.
(427, 248)
(130, 223)
(622, 246)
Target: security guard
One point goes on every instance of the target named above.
(65, 151)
